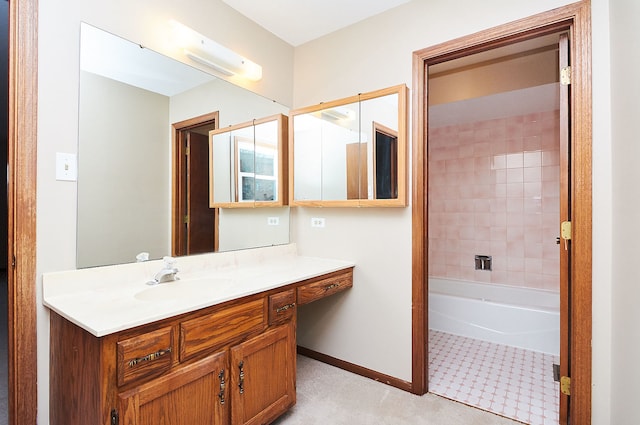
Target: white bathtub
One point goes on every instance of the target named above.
(519, 317)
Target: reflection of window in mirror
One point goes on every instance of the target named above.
(385, 162)
(256, 170)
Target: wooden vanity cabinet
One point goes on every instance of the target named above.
(233, 363)
(256, 381)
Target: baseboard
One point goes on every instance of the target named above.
(358, 370)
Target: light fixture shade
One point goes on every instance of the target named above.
(340, 113)
(207, 52)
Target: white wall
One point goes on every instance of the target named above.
(377, 53)
(625, 282)
(59, 40)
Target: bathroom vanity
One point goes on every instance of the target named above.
(216, 347)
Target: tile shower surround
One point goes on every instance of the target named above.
(494, 190)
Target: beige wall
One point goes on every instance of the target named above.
(490, 77)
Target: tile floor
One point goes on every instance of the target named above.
(508, 381)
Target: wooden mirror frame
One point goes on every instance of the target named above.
(402, 144)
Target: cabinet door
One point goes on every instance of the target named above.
(193, 394)
(263, 376)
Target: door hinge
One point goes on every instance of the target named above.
(186, 219)
(565, 385)
(186, 151)
(565, 75)
(565, 230)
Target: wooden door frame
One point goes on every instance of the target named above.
(22, 162)
(179, 206)
(577, 18)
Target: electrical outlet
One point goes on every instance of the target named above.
(317, 222)
(273, 221)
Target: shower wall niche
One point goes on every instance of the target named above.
(494, 188)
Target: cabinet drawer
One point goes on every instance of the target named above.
(324, 287)
(222, 327)
(144, 355)
(282, 306)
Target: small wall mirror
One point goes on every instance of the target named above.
(247, 163)
(350, 152)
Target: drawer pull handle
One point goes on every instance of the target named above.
(285, 307)
(149, 357)
(241, 384)
(332, 286)
(222, 385)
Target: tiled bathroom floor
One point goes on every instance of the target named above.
(509, 381)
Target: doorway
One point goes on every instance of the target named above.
(573, 19)
(493, 217)
(195, 224)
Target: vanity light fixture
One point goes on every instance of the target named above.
(207, 52)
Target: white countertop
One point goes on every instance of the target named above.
(104, 300)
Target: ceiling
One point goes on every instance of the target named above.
(300, 21)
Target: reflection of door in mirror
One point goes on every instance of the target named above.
(356, 171)
(385, 162)
(195, 224)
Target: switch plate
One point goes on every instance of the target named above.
(317, 222)
(66, 166)
(273, 221)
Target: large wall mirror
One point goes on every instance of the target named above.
(129, 98)
(350, 152)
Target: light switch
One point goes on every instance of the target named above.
(66, 166)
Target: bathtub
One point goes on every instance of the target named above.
(519, 317)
